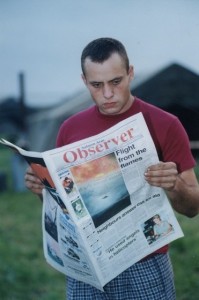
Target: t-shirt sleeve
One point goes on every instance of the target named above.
(177, 147)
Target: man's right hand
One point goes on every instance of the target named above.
(32, 182)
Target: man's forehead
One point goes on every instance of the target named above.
(114, 57)
(111, 68)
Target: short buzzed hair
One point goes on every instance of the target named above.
(101, 49)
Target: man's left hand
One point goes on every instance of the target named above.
(162, 175)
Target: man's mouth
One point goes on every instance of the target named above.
(109, 104)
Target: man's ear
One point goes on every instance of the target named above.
(131, 72)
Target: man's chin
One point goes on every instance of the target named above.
(109, 112)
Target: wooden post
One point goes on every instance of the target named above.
(22, 100)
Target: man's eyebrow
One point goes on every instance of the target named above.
(116, 78)
(111, 80)
(93, 82)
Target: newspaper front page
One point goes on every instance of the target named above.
(98, 211)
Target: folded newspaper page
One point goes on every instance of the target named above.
(98, 211)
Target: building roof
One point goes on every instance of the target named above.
(176, 90)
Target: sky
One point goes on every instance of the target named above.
(45, 38)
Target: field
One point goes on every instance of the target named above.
(24, 273)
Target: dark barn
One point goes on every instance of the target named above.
(176, 90)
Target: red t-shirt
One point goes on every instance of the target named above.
(170, 139)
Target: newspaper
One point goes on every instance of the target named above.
(98, 209)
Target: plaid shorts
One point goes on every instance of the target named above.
(149, 279)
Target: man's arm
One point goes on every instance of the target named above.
(33, 183)
(181, 188)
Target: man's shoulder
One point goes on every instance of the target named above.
(71, 129)
(154, 112)
(82, 115)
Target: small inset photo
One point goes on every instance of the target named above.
(79, 208)
(156, 227)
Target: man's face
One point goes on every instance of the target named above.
(109, 84)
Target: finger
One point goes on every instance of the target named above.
(32, 182)
(161, 180)
(165, 182)
(161, 170)
(161, 173)
(34, 187)
(163, 166)
(31, 176)
(32, 179)
(29, 170)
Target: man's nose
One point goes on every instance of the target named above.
(107, 91)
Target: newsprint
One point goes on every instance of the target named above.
(98, 209)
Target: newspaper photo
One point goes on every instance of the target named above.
(100, 216)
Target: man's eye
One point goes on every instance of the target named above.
(96, 84)
(116, 81)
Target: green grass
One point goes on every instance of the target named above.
(184, 254)
(24, 273)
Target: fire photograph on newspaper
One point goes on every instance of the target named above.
(102, 188)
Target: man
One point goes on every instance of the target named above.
(107, 75)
